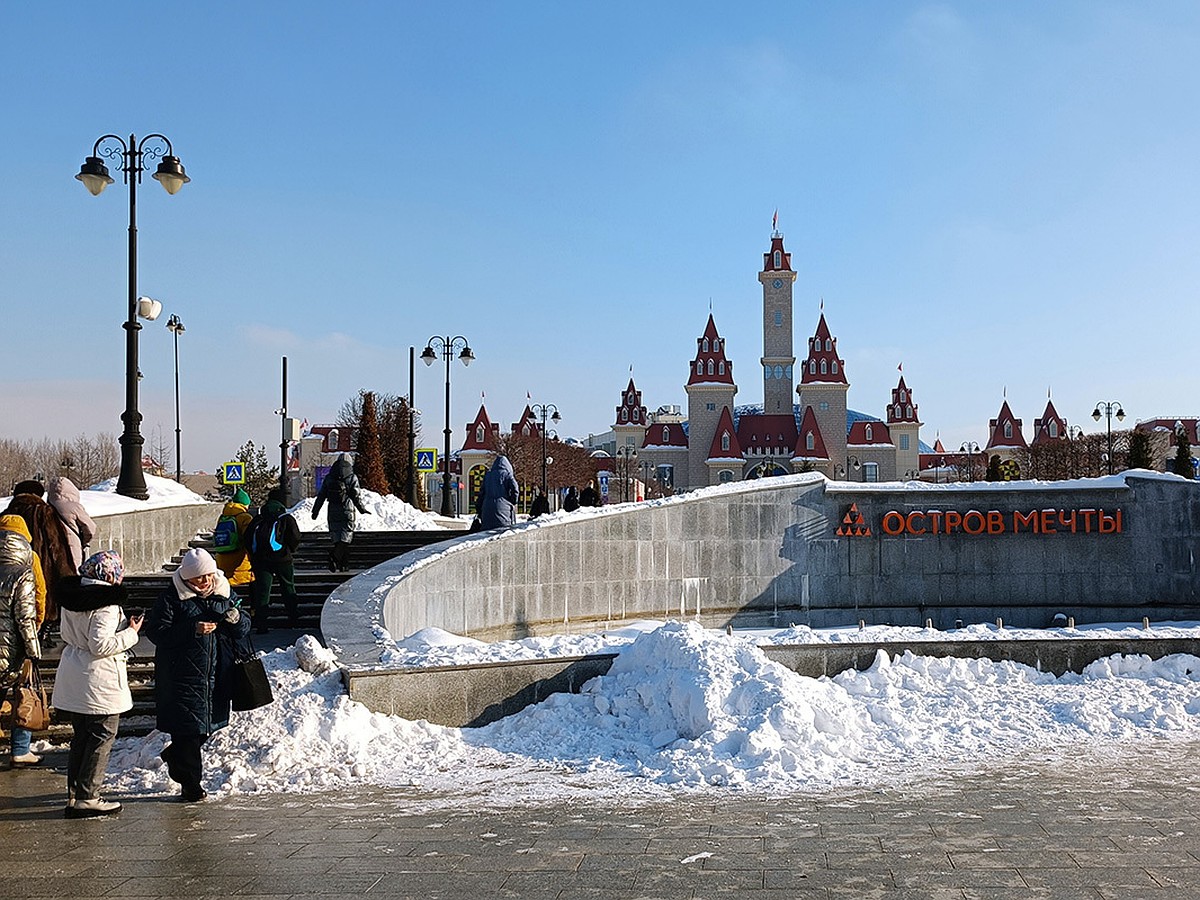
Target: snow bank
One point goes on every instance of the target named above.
(684, 708)
(103, 500)
(387, 513)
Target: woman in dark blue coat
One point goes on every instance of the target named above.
(195, 624)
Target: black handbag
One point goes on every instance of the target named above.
(250, 686)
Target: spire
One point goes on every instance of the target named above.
(903, 408)
(777, 259)
(725, 440)
(823, 365)
(710, 365)
(630, 410)
(1005, 430)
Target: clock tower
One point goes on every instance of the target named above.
(777, 279)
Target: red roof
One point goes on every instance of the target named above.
(869, 434)
(999, 440)
(481, 433)
(725, 440)
(823, 365)
(630, 410)
(785, 258)
(1050, 428)
(809, 427)
(902, 408)
(670, 434)
(1191, 426)
(710, 365)
(773, 434)
(527, 424)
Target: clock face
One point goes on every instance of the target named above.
(777, 284)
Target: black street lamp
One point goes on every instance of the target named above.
(542, 410)
(447, 345)
(175, 326)
(132, 157)
(1108, 408)
(970, 448)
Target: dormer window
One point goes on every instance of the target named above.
(666, 435)
(710, 367)
(809, 442)
(835, 367)
(823, 367)
(699, 367)
(479, 433)
(1053, 429)
(908, 410)
(778, 259)
(721, 367)
(903, 399)
(812, 367)
(868, 432)
(636, 413)
(705, 347)
(725, 441)
(828, 344)
(624, 415)
(1008, 429)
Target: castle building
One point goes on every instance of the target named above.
(721, 442)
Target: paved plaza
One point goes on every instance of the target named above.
(1121, 827)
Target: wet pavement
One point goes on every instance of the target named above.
(1120, 825)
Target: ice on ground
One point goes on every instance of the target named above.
(684, 708)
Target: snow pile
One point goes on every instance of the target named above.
(683, 708)
(387, 513)
(436, 647)
(103, 500)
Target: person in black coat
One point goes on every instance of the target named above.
(589, 496)
(540, 505)
(271, 538)
(571, 501)
(197, 627)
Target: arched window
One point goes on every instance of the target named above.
(908, 412)
(710, 367)
(778, 259)
(903, 399)
(666, 435)
(868, 432)
(721, 367)
(1053, 429)
(724, 476)
(809, 442)
(624, 415)
(699, 367)
(725, 441)
(637, 413)
(835, 367)
(778, 317)
(823, 372)
(1008, 429)
(705, 347)
(812, 367)
(479, 433)
(525, 430)
(717, 345)
(828, 344)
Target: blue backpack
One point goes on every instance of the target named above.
(264, 539)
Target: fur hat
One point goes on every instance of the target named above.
(241, 497)
(30, 486)
(104, 566)
(195, 563)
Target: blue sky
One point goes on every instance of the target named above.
(1001, 196)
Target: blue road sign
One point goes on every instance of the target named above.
(426, 458)
(233, 473)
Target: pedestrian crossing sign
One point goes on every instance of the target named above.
(233, 473)
(426, 459)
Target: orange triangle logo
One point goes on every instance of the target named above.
(853, 524)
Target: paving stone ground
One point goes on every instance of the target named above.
(1049, 826)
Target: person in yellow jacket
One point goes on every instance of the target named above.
(234, 563)
(15, 523)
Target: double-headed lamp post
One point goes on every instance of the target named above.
(626, 455)
(447, 345)
(970, 448)
(542, 411)
(1107, 408)
(132, 156)
(175, 326)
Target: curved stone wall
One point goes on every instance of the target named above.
(799, 549)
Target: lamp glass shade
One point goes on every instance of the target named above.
(556, 417)
(1096, 414)
(466, 356)
(170, 174)
(94, 175)
(149, 308)
(428, 356)
(1120, 415)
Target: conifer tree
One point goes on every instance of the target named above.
(368, 461)
(1139, 450)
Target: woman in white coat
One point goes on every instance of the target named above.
(92, 683)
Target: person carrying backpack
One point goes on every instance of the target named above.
(229, 540)
(340, 489)
(271, 539)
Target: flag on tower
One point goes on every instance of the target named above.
(900, 368)
(775, 220)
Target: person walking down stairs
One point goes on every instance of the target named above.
(271, 540)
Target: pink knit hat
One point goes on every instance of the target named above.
(195, 563)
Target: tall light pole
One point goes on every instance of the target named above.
(542, 410)
(132, 157)
(625, 456)
(1108, 407)
(175, 326)
(970, 448)
(1073, 434)
(447, 345)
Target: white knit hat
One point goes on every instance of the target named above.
(195, 563)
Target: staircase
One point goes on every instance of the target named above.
(314, 583)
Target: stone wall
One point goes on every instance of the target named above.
(799, 549)
(149, 538)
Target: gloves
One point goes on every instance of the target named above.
(233, 615)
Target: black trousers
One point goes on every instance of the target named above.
(91, 742)
(339, 556)
(183, 760)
